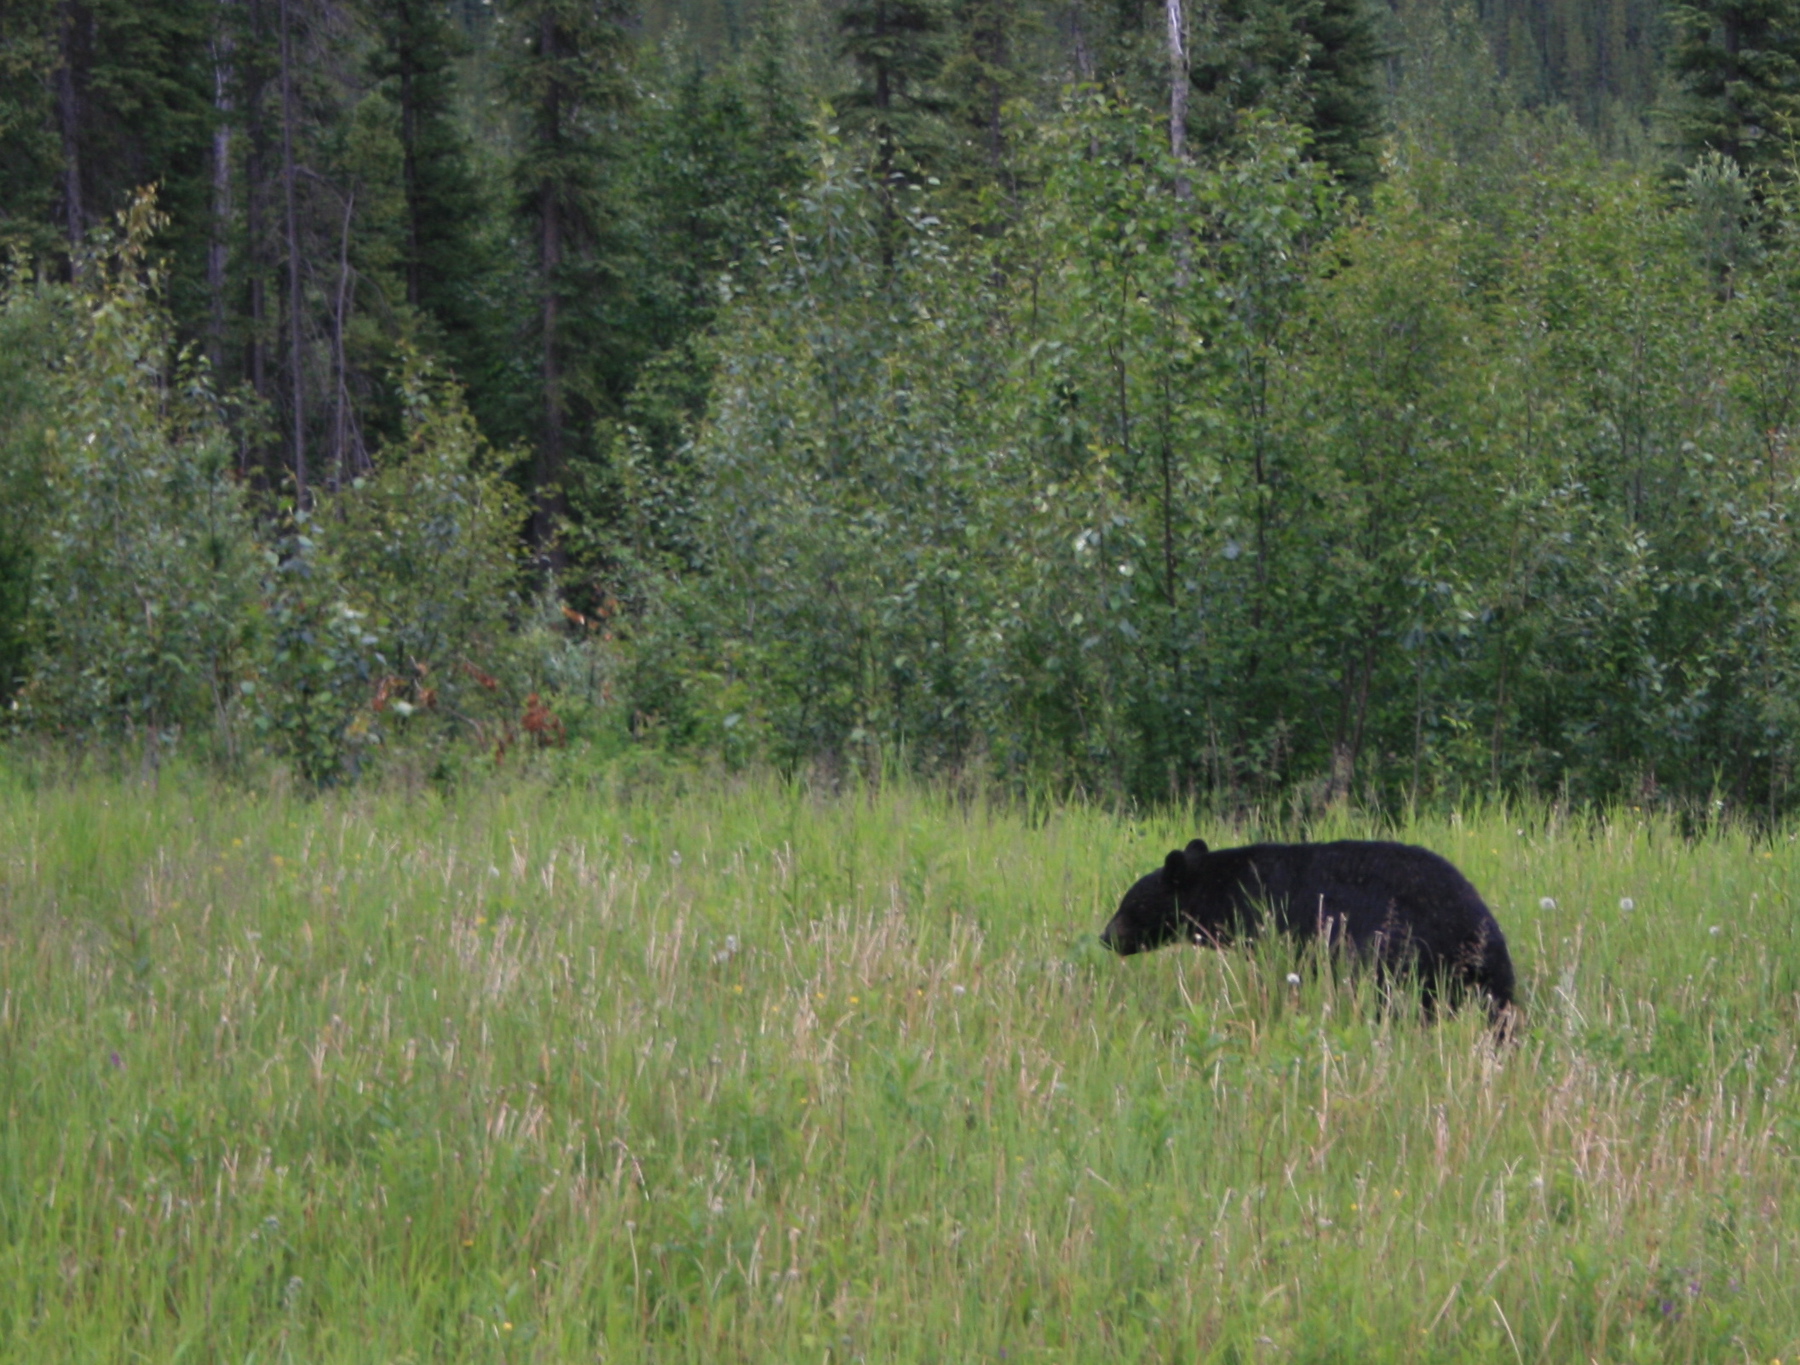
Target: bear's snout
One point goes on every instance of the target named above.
(1118, 936)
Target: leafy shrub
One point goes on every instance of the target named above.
(145, 594)
(395, 601)
(33, 328)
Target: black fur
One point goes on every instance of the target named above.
(1405, 907)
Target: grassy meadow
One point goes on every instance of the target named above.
(718, 1071)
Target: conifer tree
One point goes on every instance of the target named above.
(101, 97)
(565, 70)
(980, 77)
(898, 48)
(29, 151)
(1312, 60)
(419, 46)
(1738, 64)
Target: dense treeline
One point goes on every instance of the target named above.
(1280, 397)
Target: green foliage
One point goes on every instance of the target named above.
(101, 99)
(712, 156)
(320, 674)
(388, 610)
(973, 430)
(426, 546)
(837, 492)
(416, 66)
(1738, 64)
(1602, 59)
(1312, 61)
(1202, 480)
(898, 48)
(145, 592)
(29, 154)
(393, 602)
(33, 327)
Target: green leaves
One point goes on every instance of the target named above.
(145, 590)
(392, 606)
(1201, 479)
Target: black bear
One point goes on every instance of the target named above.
(1405, 907)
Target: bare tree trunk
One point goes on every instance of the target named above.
(289, 189)
(1178, 79)
(218, 248)
(68, 117)
(1178, 104)
(1084, 59)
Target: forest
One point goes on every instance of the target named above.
(1271, 400)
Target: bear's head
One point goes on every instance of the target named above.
(1151, 913)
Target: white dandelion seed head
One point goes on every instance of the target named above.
(1547, 903)
(1627, 904)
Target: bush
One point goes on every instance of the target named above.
(144, 601)
(33, 328)
(394, 602)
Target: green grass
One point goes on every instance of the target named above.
(727, 1072)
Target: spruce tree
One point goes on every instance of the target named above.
(416, 65)
(898, 48)
(450, 267)
(1312, 60)
(980, 77)
(29, 151)
(100, 97)
(1738, 65)
(565, 73)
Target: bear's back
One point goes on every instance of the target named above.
(1364, 887)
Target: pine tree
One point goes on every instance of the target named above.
(101, 97)
(1312, 60)
(981, 77)
(1595, 57)
(29, 148)
(1738, 64)
(416, 65)
(898, 48)
(565, 70)
(712, 160)
(1344, 110)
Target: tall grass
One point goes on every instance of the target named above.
(734, 1073)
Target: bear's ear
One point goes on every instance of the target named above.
(1197, 849)
(1175, 870)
